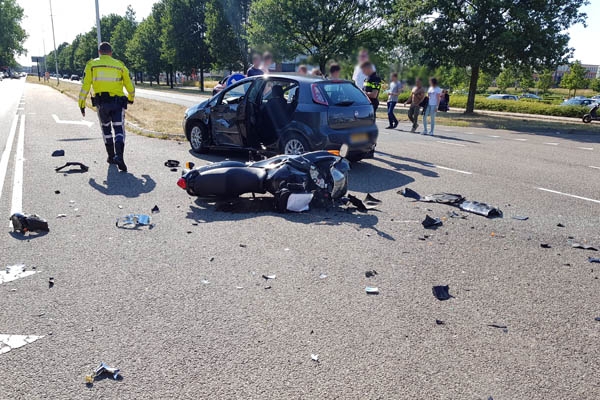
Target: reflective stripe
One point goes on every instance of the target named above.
(117, 124)
(106, 124)
(107, 66)
(83, 91)
(103, 79)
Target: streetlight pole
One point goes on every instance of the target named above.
(54, 40)
(98, 23)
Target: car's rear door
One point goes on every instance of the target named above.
(224, 115)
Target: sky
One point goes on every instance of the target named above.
(72, 17)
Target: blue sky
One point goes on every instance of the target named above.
(76, 16)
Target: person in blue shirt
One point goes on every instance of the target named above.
(255, 67)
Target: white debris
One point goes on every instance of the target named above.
(11, 342)
(13, 272)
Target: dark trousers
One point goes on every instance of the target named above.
(413, 115)
(112, 117)
(390, 108)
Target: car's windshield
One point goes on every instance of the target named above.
(235, 93)
(344, 94)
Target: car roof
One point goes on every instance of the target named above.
(294, 76)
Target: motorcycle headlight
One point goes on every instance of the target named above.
(340, 182)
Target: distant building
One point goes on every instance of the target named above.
(593, 71)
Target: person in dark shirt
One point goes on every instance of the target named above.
(255, 67)
(372, 85)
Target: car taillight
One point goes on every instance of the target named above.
(317, 95)
(182, 183)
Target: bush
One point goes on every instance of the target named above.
(522, 107)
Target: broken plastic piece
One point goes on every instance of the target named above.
(360, 206)
(545, 246)
(443, 198)
(315, 357)
(442, 292)
(370, 273)
(50, 282)
(594, 260)
(172, 163)
(132, 221)
(520, 217)
(58, 153)
(411, 194)
(583, 246)
(82, 167)
(155, 209)
(267, 277)
(61, 216)
(439, 322)
(24, 223)
(322, 276)
(560, 225)
(431, 223)
(299, 202)
(497, 326)
(104, 368)
(454, 214)
(57, 192)
(369, 199)
(372, 290)
(480, 208)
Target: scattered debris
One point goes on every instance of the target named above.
(520, 217)
(243, 245)
(442, 292)
(322, 276)
(211, 259)
(315, 357)
(372, 290)
(424, 237)
(57, 192)
(439, 322)
(299, 202)
(24, 223)
(50, 282)
(61, 216)
(267, 287)
(411, 194)
(545, 246)
(370, 273)
(58, 153)
(370, 200)
(497, 326)
(132, 221)
(597, 319)
(444, 198)
(431, 223)
(171, 163)
(103, 368)
(82, 167)
(360, 206)
(583, 246)
(480, 208)
(594, 260)
(267, 277)
(204, 282)
(454, 214)
(560, 225)
(155, 209)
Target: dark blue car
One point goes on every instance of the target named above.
(285, 114)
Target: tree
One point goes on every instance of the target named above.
(486, 34)
(122, 34)
(484, 82)
(143, 50)
(12, 36)
(506, 79)
(575, 78)
(318, 29)
(526, 80)
(226, 22)
(595, 84)
(545, 81)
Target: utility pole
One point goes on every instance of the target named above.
(54, 40)
(98, 23)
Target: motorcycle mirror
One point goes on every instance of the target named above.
(189, 165)
(344, 150)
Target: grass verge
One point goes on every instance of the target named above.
(153, 118)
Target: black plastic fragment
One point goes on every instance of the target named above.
(431, 223)
(594, 260)
(50, 282)
(24, 223)
(369, 199)
(58, 153)
(484, 209)
(444, 198)
(155, 209)
(439, 322)
(172, 163)
(498, 326)
(454, 214)
(545, 246)
(560, 225)
(583, 246)
(356, 202)
(442, 292)
(407, 192)
(57, 192)
(370, 273)
(82, 167)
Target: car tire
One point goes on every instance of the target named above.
(587, 118)
(198, 137)
(294, 144)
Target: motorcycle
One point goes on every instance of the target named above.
(318, 178)
(593, 115)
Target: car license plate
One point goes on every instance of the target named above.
(359, 137)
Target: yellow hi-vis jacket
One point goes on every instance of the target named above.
(106, 75)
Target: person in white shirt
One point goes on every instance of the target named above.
(358, 76)
(434, 93)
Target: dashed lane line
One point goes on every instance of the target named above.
(451, 144)
(447, 168)
(569, 195)
(586, 148)
(14, 272)
(11, 342)
(552, 144)
(591, 166)
(6, 152)
(520, 140)
(17, 193)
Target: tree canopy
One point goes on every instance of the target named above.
(575, 78)
(12, 35)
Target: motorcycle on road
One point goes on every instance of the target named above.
(593, 115)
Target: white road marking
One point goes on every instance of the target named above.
(13, 273)
(6, 153)
(591, 166)
(520, 140)
(552, 144)
(11, 342)
(59, 121)
(586, 148)
(493, 136)
(17, 194)
(468, 133)
(447, 169)
(451, 144)
(569, 195)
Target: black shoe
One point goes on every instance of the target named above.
(110, 150)
(111, 160)
(395, 124)
(389, 127)
(120, 148)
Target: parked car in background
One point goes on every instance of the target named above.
(65, 76)
(578, 101)
(596, 97)
(530, 96)
(503, 97)
(75, 77)
(284, 115)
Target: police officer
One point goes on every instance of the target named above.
(107, 77)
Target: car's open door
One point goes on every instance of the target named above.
(225, 116)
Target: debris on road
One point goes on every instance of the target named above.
(583, 246)
(243, 245)
(322, 276)
(372, 290)
(560, 225)
(82, 167)
(61, 216)
(24, 223)
(594, 260)
(497, 326)
(545, 246)
(370, 200)
(172, 164)
(442, 293)
(103, 368)
(155, 209)
(315, 357)
(58, 153)
(50, 283)
(443, 198)
(57, 192)
(267, 277)
(370, 273)
(358, 203)
(299, 202)
(431, 223)
(14, 272)
(204, 282)
(411, 194)
(439, 322)
(480, 208)
(454, 214)
(132, 221)
(520, 217)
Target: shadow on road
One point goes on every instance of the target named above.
(28, 236)
(123, 184)
(362, 175)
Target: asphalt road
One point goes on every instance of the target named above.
(183, 311)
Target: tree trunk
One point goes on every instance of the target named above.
(171, 73)
(322, 66)
(472, 89)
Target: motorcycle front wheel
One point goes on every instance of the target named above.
(587, 118)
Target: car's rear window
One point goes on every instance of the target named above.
(344, 94)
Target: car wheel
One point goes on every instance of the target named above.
(587, 118)
(198, 137)
(294, 145)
